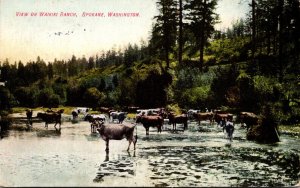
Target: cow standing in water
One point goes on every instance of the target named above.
(150, 121)
(75, 114)
(51, 117)
(29, 116)
(202, 116)
(174, 119)
(248, 118)
(116, 132)
(119, 116)
(95, 120)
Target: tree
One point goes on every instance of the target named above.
(202, 18)
(151, 92)
(73, 66)
(253, 28)
(26, 96)
(180, 32)
(275, 32)
(21, 74)
(91, 64)
(7, 100)
(164, 30)
(129, 55)
(93, 97)
(50, 71)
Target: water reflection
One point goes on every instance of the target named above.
(189, 158)
(122, 166)
(49, 133)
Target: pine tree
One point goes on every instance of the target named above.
(164, 30)
(202, 17)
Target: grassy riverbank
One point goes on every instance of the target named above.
(290, 129)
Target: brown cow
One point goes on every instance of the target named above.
(248, 118)
(105, 110)
(150, 121)
(116, 132)
(201, 116)
(219, 115)
(173, 119)
(50, 117)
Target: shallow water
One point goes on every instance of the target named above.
(200, 156)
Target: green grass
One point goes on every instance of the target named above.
(67, 109)
(131, 115)
(293, 129)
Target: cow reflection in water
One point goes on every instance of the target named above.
(107, 155)
(121, 166)
(116, 132)
(49, 133)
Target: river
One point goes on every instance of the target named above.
(199, 156)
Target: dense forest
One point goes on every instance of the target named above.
(186, 63)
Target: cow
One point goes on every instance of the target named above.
(116, 132)
(95, 117)
(75, 114)
(173, 119)
(149, 112)
(201, 116)
(100, 118)
(119, 116)
(163, 113)
(76, 111)
(191, 112)
(219, 115)
(249, 119)
(83, 110)
(106, 110)
(150, 121)
(50, 117)
(29, 116)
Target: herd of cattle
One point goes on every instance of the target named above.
(110, 124)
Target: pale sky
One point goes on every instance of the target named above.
(26, 37)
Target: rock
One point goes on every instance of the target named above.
(264, 132)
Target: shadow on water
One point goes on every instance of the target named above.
(92, 137)
(122, 166)
(49, 133)
(3, 134)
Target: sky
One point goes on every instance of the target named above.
(59, 36)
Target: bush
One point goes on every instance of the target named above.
(7, 100)
(26, 96)
(93, 97)
(47, 98)
(197, 96)
(173, 108)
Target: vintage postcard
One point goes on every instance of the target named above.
(155, 93)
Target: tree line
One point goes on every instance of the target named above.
(186, 63)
